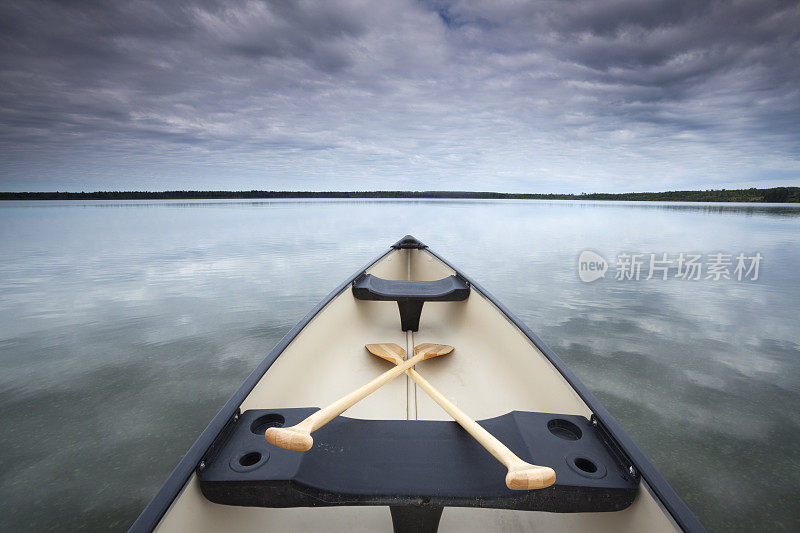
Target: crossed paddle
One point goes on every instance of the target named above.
(521, 475)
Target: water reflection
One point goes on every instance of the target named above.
(124, 326)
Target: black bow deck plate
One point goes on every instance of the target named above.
(408, 462)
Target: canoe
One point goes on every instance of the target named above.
(396, 458)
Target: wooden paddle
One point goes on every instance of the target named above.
(298, 437)
(521, 475)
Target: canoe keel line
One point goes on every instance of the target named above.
(419, 467)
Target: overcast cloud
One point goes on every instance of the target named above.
(547, 96)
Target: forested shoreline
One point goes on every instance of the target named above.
(772, 195)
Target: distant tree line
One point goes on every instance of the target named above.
(773, 195)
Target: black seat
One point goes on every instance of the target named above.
(410, 295)
(412, 463)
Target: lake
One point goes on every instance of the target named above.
(126, 325)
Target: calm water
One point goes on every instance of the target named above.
(124, 327)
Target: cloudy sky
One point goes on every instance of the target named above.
(545, 96)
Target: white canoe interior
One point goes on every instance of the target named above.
(494, 369)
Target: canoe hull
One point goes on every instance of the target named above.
(499, 366)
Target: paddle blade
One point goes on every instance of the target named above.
(432, 350)
(389, 351)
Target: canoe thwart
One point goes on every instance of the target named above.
(410, 295)
(411, 462)
(449, 289)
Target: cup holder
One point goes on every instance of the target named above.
(261, 424)
(249, 460)
(586, 465)
(564, 429)
(583, 464)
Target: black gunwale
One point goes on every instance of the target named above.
(663, 491)
(151, 515)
